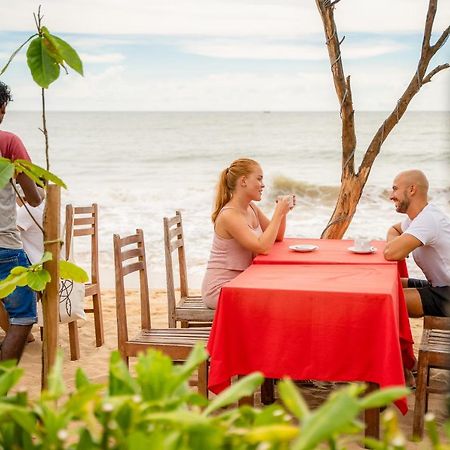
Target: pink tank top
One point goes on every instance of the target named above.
(228, 253)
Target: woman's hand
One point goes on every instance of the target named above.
(284, 204)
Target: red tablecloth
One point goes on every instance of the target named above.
(323, 322)
(330, 251)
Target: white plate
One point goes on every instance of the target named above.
(303, 248)
(354, 250)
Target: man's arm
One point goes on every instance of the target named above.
(30, 190)
(394, 231)
(399, 247)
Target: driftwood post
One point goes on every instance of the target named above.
(353, 182)
(50, 300)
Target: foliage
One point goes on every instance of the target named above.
(46, 54)
(8, 168)
(156, 409)
(36, 277)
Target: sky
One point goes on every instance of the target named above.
(225, 55)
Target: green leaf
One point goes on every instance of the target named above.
(20, 415)
(6, 171)
(68, 53)
(47, 256)
(10, 283)
(244, 387)
(383, 397)
(9, 378)
(35, 171)
(73, 272)
(81, 380)
(293, 399)
(334, 416)
(44, 69)
(270, 433)
(51, 46)
(196, 357)
(18, 270)
(120, 380)
(55, 381)
(37, 280)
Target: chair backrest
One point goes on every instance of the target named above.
(174, 240)
(83, 221)
(130, 248)
(436, 323)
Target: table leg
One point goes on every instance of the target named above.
(372, 416)
(267, 391)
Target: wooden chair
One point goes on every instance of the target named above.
(434, 353)
(176, 343)
(190, 310)
(83, 221)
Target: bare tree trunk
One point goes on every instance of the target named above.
(50, 300)
(352, 183)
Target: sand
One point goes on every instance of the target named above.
(94, 360)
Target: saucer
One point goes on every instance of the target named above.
(363, 252)
(303, 248)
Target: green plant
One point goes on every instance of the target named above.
(46, 54)
(156, 409)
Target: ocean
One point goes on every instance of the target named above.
(142, 166)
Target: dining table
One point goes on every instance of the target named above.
(327, 251)
(314, 316)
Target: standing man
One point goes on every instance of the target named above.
(21, 304)
(425, 233)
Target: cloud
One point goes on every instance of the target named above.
(261, 50)
(103, 58)
(115, 89)
(226, 18)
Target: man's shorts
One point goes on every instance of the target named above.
(435, 300)
(20, 304)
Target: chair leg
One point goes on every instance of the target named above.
(98, 320)
(421, 390)
(202, 385)
(74, 341)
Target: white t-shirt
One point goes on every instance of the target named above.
(432, 227)
(30, 234)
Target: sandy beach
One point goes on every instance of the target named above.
(94, 361)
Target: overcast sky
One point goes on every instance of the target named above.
(237, 55)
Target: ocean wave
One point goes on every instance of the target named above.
(309, 192)
(304, 190)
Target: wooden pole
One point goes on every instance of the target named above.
(50, 300)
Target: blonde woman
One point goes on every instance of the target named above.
(241, 230)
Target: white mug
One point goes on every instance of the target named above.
(290, 198)
(362, 244)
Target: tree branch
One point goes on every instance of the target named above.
(341, 84)
(431, 13)
(437, 69)
(441, 41)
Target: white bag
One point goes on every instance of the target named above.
(71, 297)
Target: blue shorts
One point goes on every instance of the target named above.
(20, 304)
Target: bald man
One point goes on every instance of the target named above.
(425, 233)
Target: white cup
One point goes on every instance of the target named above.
(362, 244)
(289, 198)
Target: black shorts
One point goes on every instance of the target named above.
(435, 299)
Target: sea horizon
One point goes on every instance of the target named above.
(142, 166)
